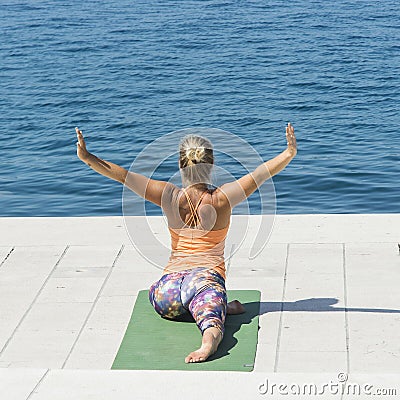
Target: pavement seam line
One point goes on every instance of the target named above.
(346, 310)
(278, 340)
(93, 306)
(6, 257)
(38, 384)
(230, 258)
(34, 300)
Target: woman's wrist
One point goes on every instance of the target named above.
(291, 152)
(88, 158)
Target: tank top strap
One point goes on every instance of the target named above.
(193, 208)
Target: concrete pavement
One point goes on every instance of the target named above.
(330, 304)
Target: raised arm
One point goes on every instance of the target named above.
(237, 191)
(150, 189)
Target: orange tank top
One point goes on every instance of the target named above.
(193, 247)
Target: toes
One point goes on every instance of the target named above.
(193, 358)
(189, 359)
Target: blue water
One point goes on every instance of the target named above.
(129, 72)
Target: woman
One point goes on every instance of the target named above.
(193, 281)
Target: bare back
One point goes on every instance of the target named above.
(212, 208)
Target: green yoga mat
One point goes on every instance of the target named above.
(152, 342)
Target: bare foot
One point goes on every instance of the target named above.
(235, 307)
(211, 339)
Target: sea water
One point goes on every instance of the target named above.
(129, 72)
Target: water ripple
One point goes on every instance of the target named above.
(127, 73)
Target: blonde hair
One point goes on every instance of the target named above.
(196, 159)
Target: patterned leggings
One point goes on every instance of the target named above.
(198, 292)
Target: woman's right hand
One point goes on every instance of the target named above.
(81, 151)
(291, 140)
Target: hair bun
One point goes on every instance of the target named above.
(195, 153)
(199, 153)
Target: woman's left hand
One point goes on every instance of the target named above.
(81, 151)
(291, 140)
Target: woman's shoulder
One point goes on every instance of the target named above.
(221, 200)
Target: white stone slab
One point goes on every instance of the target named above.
(315, 319)
(22, 276)
(55, 316)
(367, 258)
(52, 360)
(317, 258)
(371, 271)
(312, 361)
(101, 337)
(121, 385)
(145, 258)
(375, 290)
(381, 297)
(46, 335)
(17, 384)
(89, 256)
(80, 274)
(270, 288)
(101, 360)
(62, 230)
(26, 263)
(316, 286)
(265, 357)
(373, 342)
(82, 289)
(270, 262)
(313, 331)
(133, 259)
(336, 228)
(124, 282)
(307, 228)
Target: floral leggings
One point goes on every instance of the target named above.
(197, 293)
